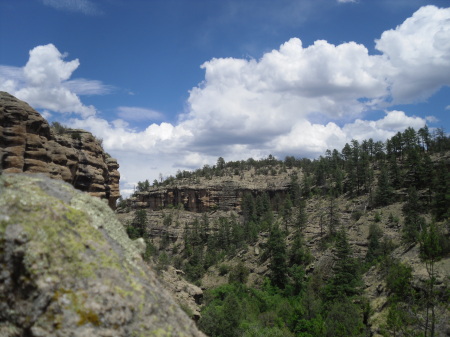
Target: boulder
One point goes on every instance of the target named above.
(69, 268)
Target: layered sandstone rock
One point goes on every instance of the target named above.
(219, 194)
(27, 144)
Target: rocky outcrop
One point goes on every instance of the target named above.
(225, 195)
(69, 269)
(27, 144)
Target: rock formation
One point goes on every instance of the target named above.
(27, 144)
(218, 195)
(69, 268)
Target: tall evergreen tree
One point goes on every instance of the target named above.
(383, 193)
(374, 248)
(414, 223)
(430, 253)
(333, 218)
(302, 217)
(346, 280)
(276, 249)
(441, 184)
(299, 253)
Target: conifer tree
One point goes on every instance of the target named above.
(276, 249)
(430, 253)
(383, 193)
(414, 223)
(299, 253)
(374, 248)
(287, 211)
(346, 281)
(441, 204)
(333, 219)
(302, 217)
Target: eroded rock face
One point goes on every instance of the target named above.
(69, 268)
(224, 195)
(27, 144)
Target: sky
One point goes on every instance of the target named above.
(175, 84)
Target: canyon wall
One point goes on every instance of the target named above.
(29, 145)
(219, 195)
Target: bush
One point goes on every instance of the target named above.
(239, 274)
(223, 269)
(377, 217)
(398, 280)
(357, 215)
(59, 128)
(76, 136)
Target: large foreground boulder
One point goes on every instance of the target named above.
(69, 269)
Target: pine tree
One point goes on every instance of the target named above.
(138, 226)
(333, 219)
(346, 280)
(383, 193)
(441, 186)
(302, 217)
(287, 211)
(414, 223)
(299, 253)
(374, 248)
(430, 253)
(276, 249)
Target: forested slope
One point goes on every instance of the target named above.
(354, 243)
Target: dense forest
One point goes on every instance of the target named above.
(411, 168)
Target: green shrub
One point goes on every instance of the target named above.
(223, 269)
(357, 215)
(377, 217)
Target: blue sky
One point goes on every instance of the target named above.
(174, 84)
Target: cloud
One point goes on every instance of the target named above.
(44, 82)
(253, 107)
(346, 1)
(418, 54)
(82, 86)
(432, 119)
(138, 114)
(86, 7)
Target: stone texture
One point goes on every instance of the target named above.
(220, 194)
(27, 144)
(69, 269)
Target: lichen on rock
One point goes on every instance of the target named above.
(69, 269)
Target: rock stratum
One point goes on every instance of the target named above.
(28, 144)
(69, 268)
(219, 194)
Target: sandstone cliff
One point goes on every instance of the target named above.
(220, 193)
(69, 269)
(27, 144)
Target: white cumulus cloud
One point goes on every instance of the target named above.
(418, 54)
(44, 82)
(297, 100)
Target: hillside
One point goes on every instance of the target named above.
(353, 243)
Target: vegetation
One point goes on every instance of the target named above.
(411, 169)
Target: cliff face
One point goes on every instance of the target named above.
(27, 144)
(225, 196)
(69, 268)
